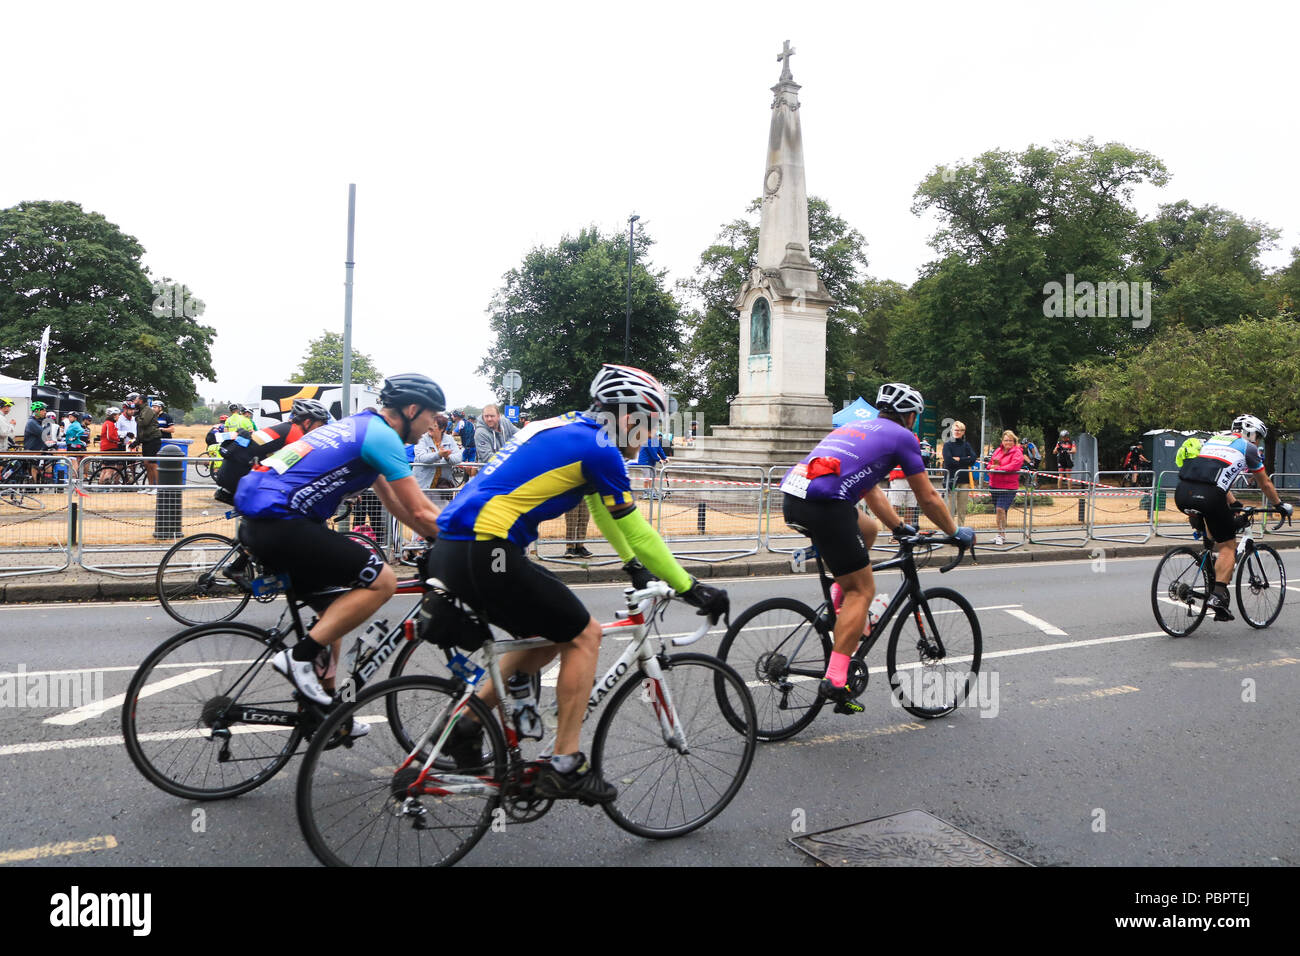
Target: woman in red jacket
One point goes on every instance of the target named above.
(1004, 479)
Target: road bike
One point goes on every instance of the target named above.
(14, 474)
(109, 471)
(206, 467)
(207, 578)
(783, 647)
(206, 717)
(1184, 579)
(677, 742)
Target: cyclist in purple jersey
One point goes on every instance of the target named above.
(821, 494)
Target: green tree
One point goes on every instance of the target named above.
(113, 329)
(323, 363)
(1009, 224)
(854, 325)
(562, 312)
(1187, 379)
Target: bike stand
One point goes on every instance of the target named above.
(910, 838)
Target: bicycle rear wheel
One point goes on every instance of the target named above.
(366, 542)
(1179, 591)
(357, 808)
(206, 718)
(14, 496)
(192, 586)
(934, 652)
(782, 651)
(666, 789)
(1261, 586)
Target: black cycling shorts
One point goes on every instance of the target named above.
(150, 448)
(314, 557)
(833, 526)
(517, 595)
(1212, 503)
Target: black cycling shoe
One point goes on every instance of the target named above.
(1219, 605)
(842, 696)
(582, 784)
(463, 752)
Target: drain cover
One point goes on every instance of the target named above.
(910, 838)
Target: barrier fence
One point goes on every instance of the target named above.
(1288, 488)
(101, 513)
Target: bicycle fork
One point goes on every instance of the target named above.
(655, 692)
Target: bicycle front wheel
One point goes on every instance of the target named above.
(1261, 586)
(934, 651)
(671, 785)
(206, 717)
(782, 651)
(192, 587)
(361, 805)
(368, 543)
(1179, 591)
(13, 496)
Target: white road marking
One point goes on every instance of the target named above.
(1037, 622)
(78, 714)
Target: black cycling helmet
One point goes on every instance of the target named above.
(310, 408)
(412, 388)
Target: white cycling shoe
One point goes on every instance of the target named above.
(303, 676)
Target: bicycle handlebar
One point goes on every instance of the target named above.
(660, 590)
(930, 539)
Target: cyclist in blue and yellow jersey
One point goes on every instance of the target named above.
(542, 472)
(286, 503)
(820, 499)
(1203, 495)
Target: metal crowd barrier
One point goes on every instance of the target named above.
(1058, 509)
(575, 529)
(125, 525)
(1123, 513)
(1288, 487)
(1168, 521)
(704, 505)
(774, 526)
(986, 528)
(35, 517)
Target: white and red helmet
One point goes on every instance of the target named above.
(1251, 427)
(630, 387)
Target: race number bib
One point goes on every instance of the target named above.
(796, 482)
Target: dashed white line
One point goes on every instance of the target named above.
(1037, 622)
(87, 711)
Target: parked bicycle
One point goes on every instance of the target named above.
(207, 578)
(677, 743)
(109, 471)
(1184, 580)
(783, 647)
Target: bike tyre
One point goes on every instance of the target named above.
(747, 654)
(957, 645)
(697, 790)
(1259, 564)
(1172, 622)
(186, 582)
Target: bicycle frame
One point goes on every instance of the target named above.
(643, 607)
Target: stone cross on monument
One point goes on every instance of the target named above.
(781, 409)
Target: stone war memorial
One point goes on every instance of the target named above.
(781, 409)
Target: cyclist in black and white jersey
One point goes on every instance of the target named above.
(1203, 484)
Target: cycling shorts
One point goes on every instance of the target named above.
(150, 448)
(520, 596)
(314, 557)
(1212, 503)
(833, 526)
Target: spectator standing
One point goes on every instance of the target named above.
(496, 431)
(7, 425)
(463, 428)
(53, 433)
(435, 454)
(575, 531)
(1004, 479)
(166, 424)
(651, 453)
(238, 422)
(127, 427)
(958, 457)
(1065, 450)
(34, 431)
(149, 438)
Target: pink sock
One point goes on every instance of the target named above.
(837, 597)
(838, 672)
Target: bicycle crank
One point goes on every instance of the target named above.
(858, 675)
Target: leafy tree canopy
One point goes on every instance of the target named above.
(113, 329)
(323, 363)
(561, 314)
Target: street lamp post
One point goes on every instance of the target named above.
(627, 328)
(981, 398)
(850, 375)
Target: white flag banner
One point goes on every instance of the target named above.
(45, 347)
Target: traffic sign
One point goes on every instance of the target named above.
(511, 380)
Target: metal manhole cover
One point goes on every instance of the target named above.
(910, 838)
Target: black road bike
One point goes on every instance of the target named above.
(782, 647)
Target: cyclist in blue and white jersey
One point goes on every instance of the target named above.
(288, 499)
(545, 470)
(820, 499)
(1203, 484)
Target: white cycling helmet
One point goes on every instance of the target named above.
(1251, 427)
(624, 385)
(900, 398)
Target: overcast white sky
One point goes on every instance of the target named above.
(223, 137)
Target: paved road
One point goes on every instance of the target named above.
(1184, 751)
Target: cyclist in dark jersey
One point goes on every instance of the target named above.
(542, 472)
(1203, 484)
(821, 495)
(286, 504)
(239, 455)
